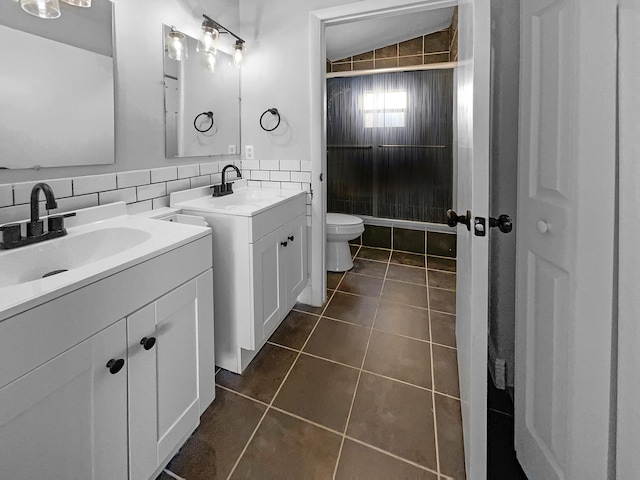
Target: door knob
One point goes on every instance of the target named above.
(503, 222)
(542, 226)
(284, 244)
(453, 219)
(115, 365)
(291, 238)
(148, 342)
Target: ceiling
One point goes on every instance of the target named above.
(362, 36)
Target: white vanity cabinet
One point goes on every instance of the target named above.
(80, 396)
(260, 265)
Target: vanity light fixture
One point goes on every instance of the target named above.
(176, 45)
(41, 8)
(210, 60)
(205, 44)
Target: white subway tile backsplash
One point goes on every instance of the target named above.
(280, 176)
(146, 192)
(164, 174)
(133, 178)
(139, 207)
(291, 165)
(61, 188)
(14, 214)
(291, 186)
(6, 195)
(127, 195)
(200, 181)
(216, 178)
(251, 164)
(94, 183)
(209, 168)
(177, 185)
(254, 183)
(269, 165)
(160, 202)
(270, 184)
(305, 166)
(301, 177)
(76, 203)
(259, 175)
(185, 171)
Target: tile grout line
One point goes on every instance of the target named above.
(355, 390)
(433, 382)
(253, 434)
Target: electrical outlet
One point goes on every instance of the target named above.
(232, 150)
(248, 152)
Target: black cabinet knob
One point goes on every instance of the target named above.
(284, 244)
(115, 365)
(291, 238)
(453, 219)
(148, 342)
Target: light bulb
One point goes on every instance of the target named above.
(207, 40)
(177, 46)
(210, 60)
(238, 54)
(41, 8)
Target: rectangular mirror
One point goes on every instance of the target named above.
(57, 96)
(202, 107)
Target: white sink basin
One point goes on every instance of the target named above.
(25, 264)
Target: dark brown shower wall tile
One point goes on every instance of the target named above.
(359, 461)
(386, 52)
(352, 308)
(410, 61)
(442, 300)
(341, 67)
(437, 263)
(386, 62)
(443, 329)
(441, 279)
(214, 447)
(369, 267)
(405, 293)
(450, 444)
(343, 60)
(376, 236)
(263, 376)
(361, 285)
(333, 279)
(285, 447)
(363, 56)
(339, 341)
(363, 65)
(409, 240)
(412, 259)
(441, 244)
(319, 391)
(437, 42)
(435, 58)
(403, 273)
(410, 47)
(294, 330)
(395, 417)
(400, 358)
(377, 254)
(401, 319)
(445, 371)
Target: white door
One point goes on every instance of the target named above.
(565, 237)
(473, 194)
(628, 429)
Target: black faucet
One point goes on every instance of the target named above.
(225, 188)
(11, 234)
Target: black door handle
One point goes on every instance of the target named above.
(453, 219)
(503, 222)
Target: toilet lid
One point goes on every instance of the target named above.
(342, 219)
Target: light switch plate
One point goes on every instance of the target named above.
(248, 152)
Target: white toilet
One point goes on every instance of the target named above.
(340, 229)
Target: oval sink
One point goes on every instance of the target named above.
(26, 264)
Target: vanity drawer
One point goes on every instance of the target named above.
(270, 220)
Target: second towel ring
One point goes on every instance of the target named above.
(208, 114)
(272, 111)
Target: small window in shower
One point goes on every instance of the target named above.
(384, 109)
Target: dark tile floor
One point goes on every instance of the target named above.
(364, 387)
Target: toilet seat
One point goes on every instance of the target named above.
(340, 224)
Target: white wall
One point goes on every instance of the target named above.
(505, 42)
(139, 90)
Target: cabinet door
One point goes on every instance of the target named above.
(177, 356)
(206, 352)
(268, 286)
(68, 418)
(294, 260)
